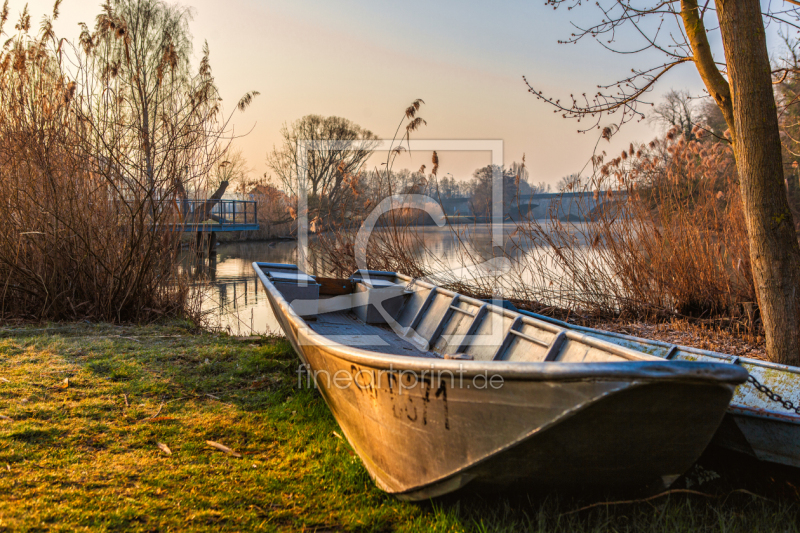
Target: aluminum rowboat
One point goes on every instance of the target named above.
(435, 390)
(754, 424)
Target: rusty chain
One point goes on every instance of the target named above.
(774, 396)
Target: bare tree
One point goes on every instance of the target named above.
(86, 186)
(540, 188)
(140, 49)
(323, 149)
(232, 170)
(514, 184)
(571, 183)
(155, 122)
(741, 84)
(681, 110)
(677, 109)
(711, 119)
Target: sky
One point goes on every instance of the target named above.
(367, 60)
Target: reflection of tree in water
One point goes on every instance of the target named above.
(232, 302)
(232, 293)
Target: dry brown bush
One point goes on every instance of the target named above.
(669, 240)
(84, 185)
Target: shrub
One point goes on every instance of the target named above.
(90, 174)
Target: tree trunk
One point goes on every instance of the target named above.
(214, 199)
(774, 251)
(203, 211)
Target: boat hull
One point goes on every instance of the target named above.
(753, 424)
(426, 427)
(432, 437)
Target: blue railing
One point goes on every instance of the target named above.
(224, 215)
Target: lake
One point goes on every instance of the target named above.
(236, 302)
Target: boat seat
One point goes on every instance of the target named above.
(296, 287)
(378, 283)
(380, 292)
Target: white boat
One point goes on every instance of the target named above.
(435, 390)
(763, 419)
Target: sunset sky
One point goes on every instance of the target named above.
(367, 60)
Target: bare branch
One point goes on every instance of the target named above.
(625, 100)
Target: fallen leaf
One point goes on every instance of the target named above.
(164, 448)
(4, 380)
(160, 419)
(259, 382)
(63, 385)
(4, 417)
(222, 448)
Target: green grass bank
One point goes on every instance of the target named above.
(83, 409)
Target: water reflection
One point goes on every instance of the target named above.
(236, 301)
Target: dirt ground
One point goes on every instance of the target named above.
(688, 334)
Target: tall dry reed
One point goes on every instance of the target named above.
(668, 239)
(659, 233)
(85, 190)
(394, 244)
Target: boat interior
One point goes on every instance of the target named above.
(387, 313)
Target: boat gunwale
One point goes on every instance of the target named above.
(753, 412)
(735, 408)
(637, 366)
(732, 359)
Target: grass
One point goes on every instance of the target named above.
(82, 454)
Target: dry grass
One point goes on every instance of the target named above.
(691, 333)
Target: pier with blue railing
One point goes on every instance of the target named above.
(208, 217)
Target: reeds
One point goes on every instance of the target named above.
(667, 238)
(394, 242)
(664, 236)
(85, 191)
(659, 233)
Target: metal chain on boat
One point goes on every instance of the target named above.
(772, 395)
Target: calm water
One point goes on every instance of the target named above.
(237, 303)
